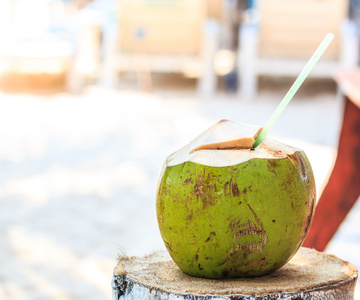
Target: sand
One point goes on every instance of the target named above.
(78, 177)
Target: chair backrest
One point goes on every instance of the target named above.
(161, 26)
(293, 28)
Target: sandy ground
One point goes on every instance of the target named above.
(78, 177)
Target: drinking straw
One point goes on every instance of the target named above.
(290, 94)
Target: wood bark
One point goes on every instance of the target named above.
(309, 275)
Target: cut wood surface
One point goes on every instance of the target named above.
(308, 275)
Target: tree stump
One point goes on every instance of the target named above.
(308, 275)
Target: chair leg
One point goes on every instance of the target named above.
(247, 87)
(207, 82)
(343, 188)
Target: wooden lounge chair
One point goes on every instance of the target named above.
(156, 36)
(281, 36)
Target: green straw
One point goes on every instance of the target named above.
(299, 80)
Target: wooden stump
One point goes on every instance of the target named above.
(309, 275)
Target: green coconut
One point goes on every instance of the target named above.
(226, 210)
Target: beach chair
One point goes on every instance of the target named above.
(280, 36)
(156, 36)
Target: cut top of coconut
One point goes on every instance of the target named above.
(226, 135)
(228, 143)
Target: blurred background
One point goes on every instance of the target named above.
(95, 94)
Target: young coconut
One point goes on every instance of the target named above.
(226, 210)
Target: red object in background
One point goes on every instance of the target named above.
(343, 187)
